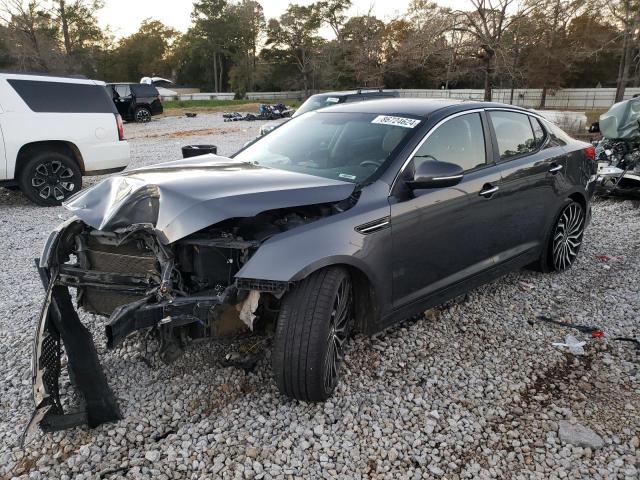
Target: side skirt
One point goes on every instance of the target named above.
(457, 289)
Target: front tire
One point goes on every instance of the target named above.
(566, 238)
(49, 178)
(312, 331)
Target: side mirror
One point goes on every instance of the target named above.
(434, 174)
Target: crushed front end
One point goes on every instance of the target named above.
(183, 290)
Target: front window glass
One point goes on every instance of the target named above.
(514, 134)
(317, 101)
(459, 140)
(342, 146)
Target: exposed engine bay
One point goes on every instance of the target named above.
(179, 291)
(618, 166)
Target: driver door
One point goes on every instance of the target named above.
(444, 236)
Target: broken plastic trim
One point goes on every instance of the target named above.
(59, 322)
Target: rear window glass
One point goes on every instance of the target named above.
(143, 90)
(514, 134)
(63, 97)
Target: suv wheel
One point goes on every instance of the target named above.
(48, 178)
(142, 115)
(566, 238)
(313, 327)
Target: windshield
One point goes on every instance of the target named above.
(342, 146)
(315, 102)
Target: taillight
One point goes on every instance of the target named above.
(159, 98)
(590, 152)
(120, 127)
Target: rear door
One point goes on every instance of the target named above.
(531, 166)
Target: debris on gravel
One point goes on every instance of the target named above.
(470, 390)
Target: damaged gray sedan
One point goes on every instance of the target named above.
(351, 217)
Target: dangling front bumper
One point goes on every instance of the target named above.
(59, 325)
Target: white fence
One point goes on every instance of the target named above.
(292, 95)
(201, 96)
(565, 99)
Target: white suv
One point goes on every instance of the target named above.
(54, 130)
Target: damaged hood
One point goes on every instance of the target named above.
(179, 198)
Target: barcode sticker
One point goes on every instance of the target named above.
(396, 121)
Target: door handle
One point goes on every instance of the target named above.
(488, 190)
(555, 169)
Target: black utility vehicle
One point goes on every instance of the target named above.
(351, 217)
(136, 101)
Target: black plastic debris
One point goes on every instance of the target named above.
(189, 151)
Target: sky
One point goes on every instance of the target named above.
(124, 16)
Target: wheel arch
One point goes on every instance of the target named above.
(580, 198)
(60, 146)
(366, 292)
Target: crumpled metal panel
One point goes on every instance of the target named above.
(622, 120)
(185, 196)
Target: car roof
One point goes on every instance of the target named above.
(363, 91)
(48, 77)
(419, 107)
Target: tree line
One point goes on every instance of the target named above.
(231, 46)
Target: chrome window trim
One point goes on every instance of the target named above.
(425, 138)
(465, 112)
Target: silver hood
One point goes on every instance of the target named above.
(182, 197)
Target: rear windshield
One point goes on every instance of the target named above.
(62, 97)
(144, 90)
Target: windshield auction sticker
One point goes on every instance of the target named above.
(396, 121)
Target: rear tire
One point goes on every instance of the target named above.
(312, 331)
(565, 239)
(142, 115)
(49, 178)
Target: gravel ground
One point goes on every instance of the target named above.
(471, 391)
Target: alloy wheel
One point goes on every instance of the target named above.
(567, 236)
(53, 180)
(143, 115)
(340, 322)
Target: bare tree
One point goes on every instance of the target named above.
(627, 12)
(485, 26)
(31, 36)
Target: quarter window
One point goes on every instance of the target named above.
(538, 131)
(63, 97)
(514, 134)
(459, 141)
